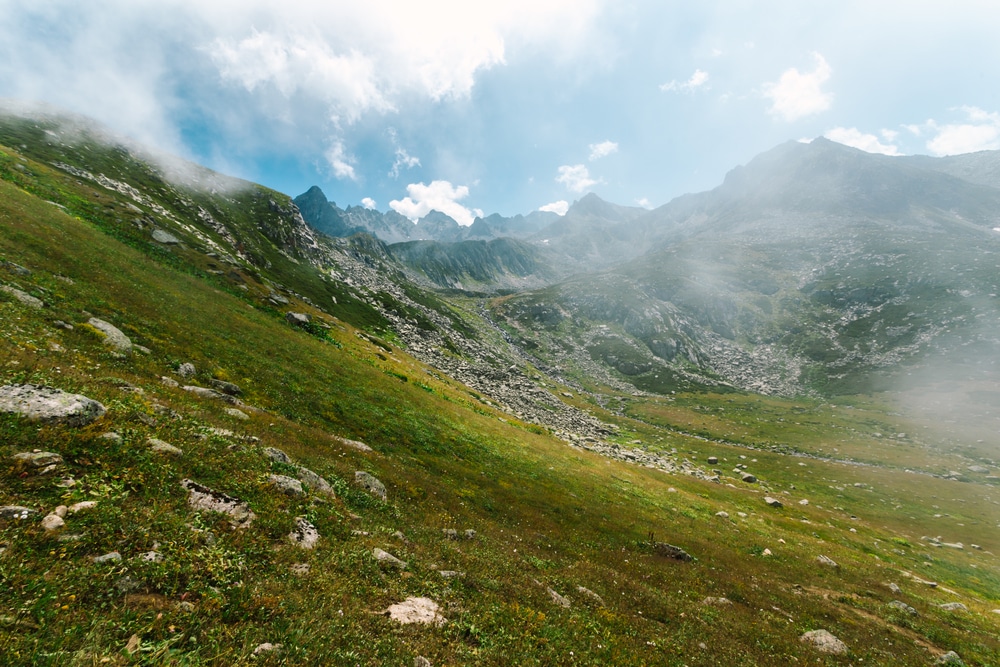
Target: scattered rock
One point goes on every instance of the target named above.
(151, 557)
(61, 511)
(226, 387)
(713, 460)
(16, 512)
(277, 455)
(36, 459)
(113, 336)
(236, 412)
(353, 444)
(300, 569)
(722, 514)
(748, 478)
(203, 499)
(169, 382)
(449, 574)
(469, 534)
(670, 551)
(772, 502)
(895, 589)
(298, 319)
(46, 404)
(52, 523)
(979, 469)
(23, 297)
(112, 557)
(766, 552)
(590, 594)
(826, 560)
(903, 607)
(165, 237)
(387, 559)
(305, 534)
(370, 483)
(949, 658)
(803, 502)
(953, 606)
(824, 642)
(265, 648)
(66, 326)
(450, 533)
(717, 602)
(186, 370)
(112, 437)
(315, 483)
(161, 447)
(559, 599)
(416, 610)
(286, 485)
(421, 661)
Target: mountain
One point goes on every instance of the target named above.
(502, 263)
(229, 438)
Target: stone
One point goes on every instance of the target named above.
(766, 552)
(899, 605)
(286, 485)
(46, 404)
(16, 512)
(953, 606)
(236, 412)
(160, 447)
(276, 298)
(803, 502)
(203, 499)
(717, 602)
(979, 469)
(82, 506)
(165, 237)
(713, 460)
(772, 502)
(895, 589)
(590, 594)
(298, 319)
(469, 534)
(722, 514)
(450, 533)
(151, 557)
(370, 483)
(226, 387)
(205, 392)
(277, 455)
(61, 511)
(186, 370)
(112, 437)
(353, 444)
(449, 574)
(112, 557)
(827, 561)
(113, 336)
(824, 642)
(36, 459)
(169, 382)
(305, 535)
(23, 297)
(52, 523)
(421, 661)
(670, 551)
(748, 478)
(416, 610)
(387, 559)
(300, 569)
(315, 483)
(265, 648)
(558, 599)
(949, 658)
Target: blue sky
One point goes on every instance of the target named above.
(470, 107)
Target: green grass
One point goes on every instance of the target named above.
(546, 515)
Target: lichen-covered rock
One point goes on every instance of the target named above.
(113, 336)
(203, 499)
(22, 296)
(353, 444)
(277, 455)
(824, 642)
(226, 387)
(387, 559)
(186, 370)
(772, 502)
(286, 485)
(416, 610)
(670, 551)
(899, 605)
(160, 447)
(315, 483)
(370, 483)
(46, 404)
(304, 535)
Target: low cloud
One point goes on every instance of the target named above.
(576, 177)
(979, 132)
(796, 94)
(851, 136)
(369, 203)
(603, 149)
(698, 80)
(558, 207)
(643, 202)
(403, 161)
(340, 162)
(438, 196)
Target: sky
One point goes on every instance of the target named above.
(471, 107)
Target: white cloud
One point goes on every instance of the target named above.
(981, 132)
(369, 203)
(603, 149)
(438, 196)
(575, 177)
(851, 136)
(889, 135)
(797, 95)
(340, 161)
(403, 160)
(643, 202)
(558, 207)
(697, 80)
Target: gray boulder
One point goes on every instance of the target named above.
(277, 455)
(286, 485)
(113, 336)
(16, 512)
(370, 483)
(824, 642)
(826, 560)
(298, 319)
(899, 605)
(387, 559)
(748, 478)
(226, 387)
(949, 658)
(160, 447)
(203, 499)
(305, 534)
(164, 237)
(45, 404)
(186, 370)
(772, 502)
(316, 483)
(953, 606)
(21, 296)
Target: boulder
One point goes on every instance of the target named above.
(52, 523)
(670, 551)
(298, 319)
(824, 642)
(36, 460)
(277, 455)
(953, 606)
(772, 502)
(949, 658)
(826, 560)
(186, 370)
(353, 444)
(717, 602)
(416, 610)
(370, 483)
(21, 296)
(165, 237)
(203, 499)
(748, 478)
(559, 599)
(46, 404)
(387, 559)
(590, 594)
(226, 387)
(286, 485)
(113, 336)
(899, 605)
(160, 447)
(315, 483)
(305, 534)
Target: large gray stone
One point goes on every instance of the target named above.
(46, 404)
(387, 559)
(824, 642)
(370, 483)
(21, 296)
(203, 499)
(277, 455)
(113, 336)
(161, 236)
(315, 483)
(899, 605)
(286, 485)
(305, 534)
(16, 512)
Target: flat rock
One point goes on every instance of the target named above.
(22, 296)
(353, 444)
(226, 387)
(953, 606)
(305, 534)
(203, 499)
(36, 459)
(386, 558)
(236, 412)
(113, 336)
(722, 514)
(165, 237)
(112, 557)
(161, 447)
(286, 485)
(826, 560)
(590, 594)
(416, 610)
(370, 483)
(82, 506)
(46, 404)
(717, 602)
(824, 642)
(16, 512)
(559, 599)
(670, 551)
(298, 319)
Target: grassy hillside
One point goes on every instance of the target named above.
(549, 518)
